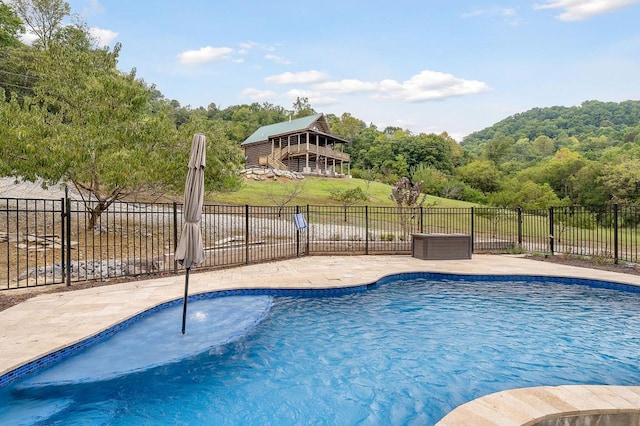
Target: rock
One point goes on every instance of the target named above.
(261, 174)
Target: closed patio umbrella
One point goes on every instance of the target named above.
(190, 250)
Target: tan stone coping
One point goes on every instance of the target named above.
(550, 405)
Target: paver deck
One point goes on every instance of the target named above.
(52, 321)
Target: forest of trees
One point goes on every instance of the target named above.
(68, 114)
(587, 155)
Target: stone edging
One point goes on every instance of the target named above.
(550, 406)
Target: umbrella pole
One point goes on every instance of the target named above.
(184, 303)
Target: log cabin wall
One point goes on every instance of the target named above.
(254, 151)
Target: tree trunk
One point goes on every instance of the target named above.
(96, 212)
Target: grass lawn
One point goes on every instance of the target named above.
(315, 191)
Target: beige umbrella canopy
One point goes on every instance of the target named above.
(190, 250)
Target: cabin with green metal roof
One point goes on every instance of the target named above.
(304, 145)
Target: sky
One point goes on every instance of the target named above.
(427, 66)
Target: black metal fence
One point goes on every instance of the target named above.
(51, 241)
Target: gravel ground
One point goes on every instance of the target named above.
(10, 188)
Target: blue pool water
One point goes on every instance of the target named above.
(406, 352)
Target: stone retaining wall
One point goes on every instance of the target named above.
(261, 174)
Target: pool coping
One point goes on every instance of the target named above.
(530, 406)
(49, 323)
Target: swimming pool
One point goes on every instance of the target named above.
(406, 351)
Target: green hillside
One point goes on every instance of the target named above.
(315, 191)
(617, 121)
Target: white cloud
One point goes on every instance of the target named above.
(579, 10)
(493, 11)
(204, 55)
(93, 8)
(474, 13)
(304, 77)
(248, 45)
(299, 93)
(257, 94)
(323, 100)
(28, 38)
(509, 15)
(278, 59)
(425, 86)
(315, 98)
(102, 36)
(347, 86)
(430, 85)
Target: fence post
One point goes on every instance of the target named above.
(551, 226)
(246, 234)
(615, 233)
(67, 202)
(473, 224)
(421, 221)
(366, 229)
(175, 236)
(63, 232)
(308, 230)
(297, 235)
(520, 227)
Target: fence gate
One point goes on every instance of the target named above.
(32, 242)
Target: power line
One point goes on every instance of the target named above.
(15, 85)
(18, 75)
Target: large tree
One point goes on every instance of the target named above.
(10, 27)
(104, 143)
(22, 128)
(621, 180)
(17, 70)
(346, 126)
(481, 174)
(86, 123)
(224, 155)
(302, 107)
(83, 121)
(527, 195)
(43, 18)
(14, 77)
